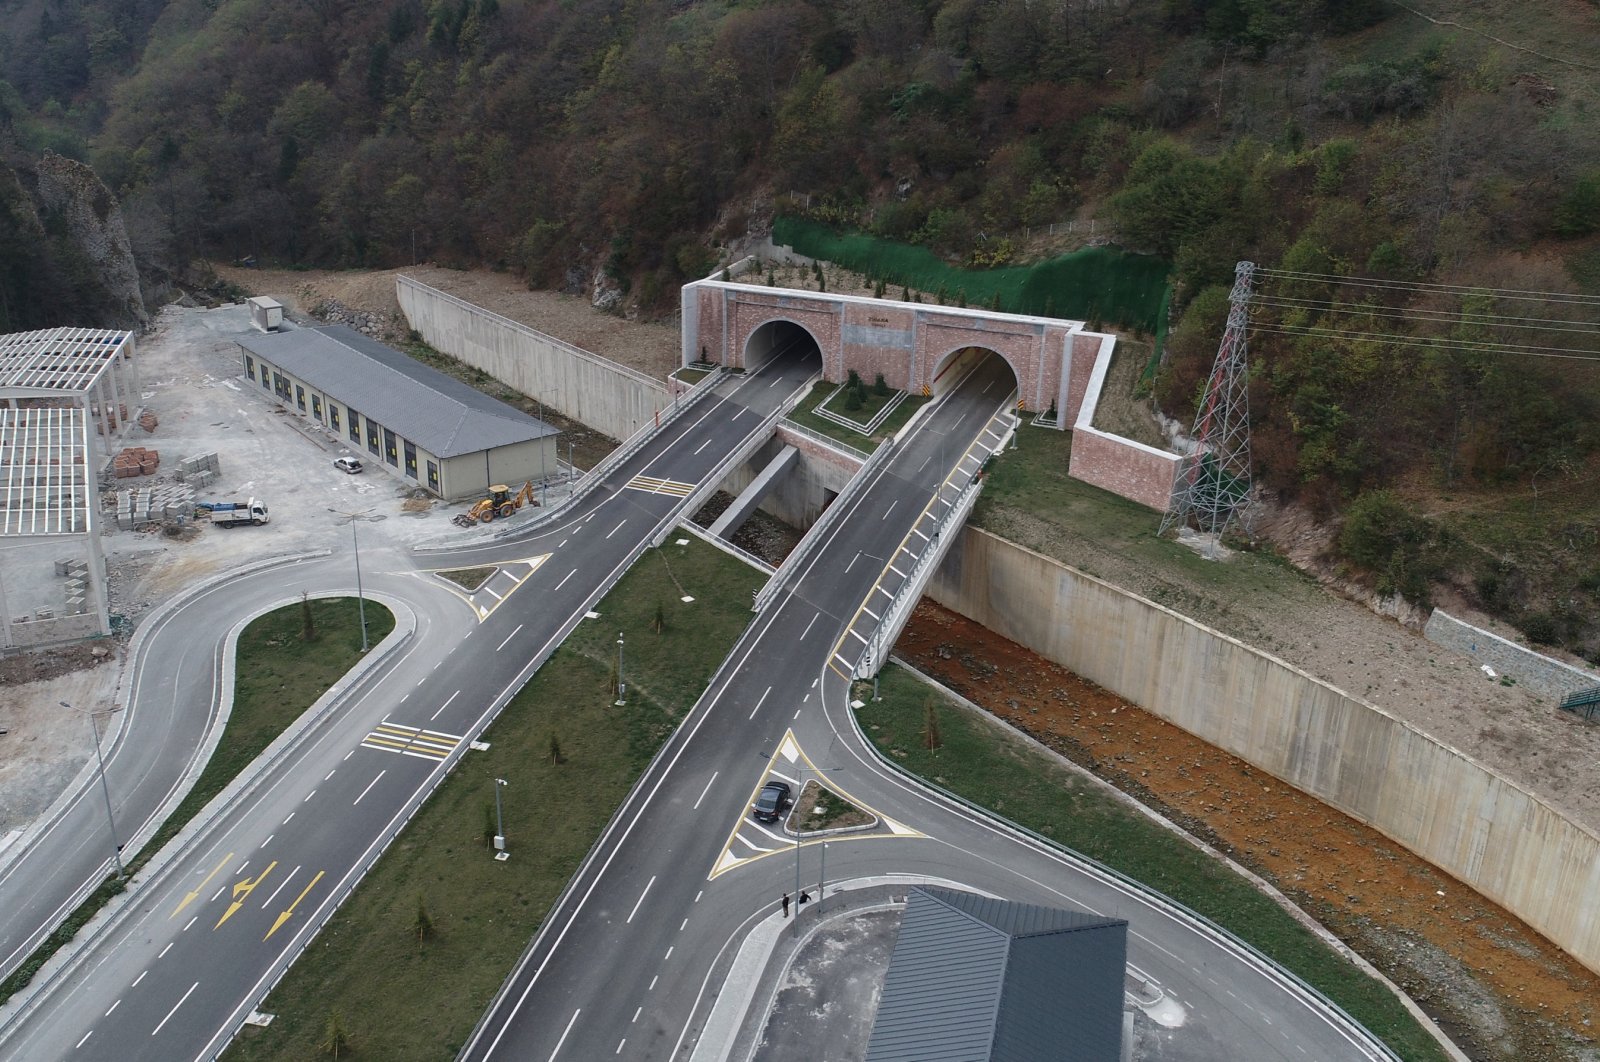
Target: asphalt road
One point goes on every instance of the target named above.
(212, 930)
(624, 968)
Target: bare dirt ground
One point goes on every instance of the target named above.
(650, 347)
(1502, 991)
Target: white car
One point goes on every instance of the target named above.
(350, 465)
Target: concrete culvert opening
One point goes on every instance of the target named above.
(967, 361)
(780, 339)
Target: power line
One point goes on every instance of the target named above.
(1421, 314)
(1558, 297)
(1430, 342)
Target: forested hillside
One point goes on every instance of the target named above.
(625, 141)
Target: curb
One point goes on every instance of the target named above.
(65, 960)
(1261, 885)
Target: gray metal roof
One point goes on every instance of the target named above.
(437, 412)
(974, 979)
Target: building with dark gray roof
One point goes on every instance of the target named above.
(974, 979)
(426, 427)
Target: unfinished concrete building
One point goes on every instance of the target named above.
(66, 396)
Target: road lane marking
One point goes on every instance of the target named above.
(287, 911)
(189, 923)
(706, 790)
(653, 981)
(640, 901)
(809, 625)
(852, 563)
(241, 893)
(490, 591)
(308, 796)
(684, 926)
(614, 530)
(620, 1046)
(653, 485)
(919, 534)
(859, 635)
(275, 892)
(286, 821)
(889, 510)
(869, 612)
(198, 889)
(566, 1031)
(668, 954)
(636, 1016)
(564, 578)
(411, 740)
(897, 571)
(759, 703)
(347, 755)
(702, 447)
(175, 1007)
(432, 717)
(114, 1006)
(168, 948)
(699, 894)
(136, 980)
(219, 892)
(84, 1040)
(510, 636)
(368, 789)
(329, 775)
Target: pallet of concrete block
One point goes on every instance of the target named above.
(73, 568)
(198, 465)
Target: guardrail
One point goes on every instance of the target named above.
(820, 529)
(826, 440)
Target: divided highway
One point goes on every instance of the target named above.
(201, 940)
(624, 966)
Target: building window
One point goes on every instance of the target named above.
(266, 385)
(411, 460)
(433, 477)
(355, 425)
(300, 397)
(280, 384)
(316, 406)
(333, 417)
(389, 450)
(250, 367)
(372, 437)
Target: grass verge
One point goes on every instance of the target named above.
(415, 955)
(1012, 778)
(279, 676)
(850, 437)
(469, 579)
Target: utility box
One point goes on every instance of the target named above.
(266, 314)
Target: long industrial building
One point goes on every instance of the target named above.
(425, 427)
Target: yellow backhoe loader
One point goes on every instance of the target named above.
(500, 502)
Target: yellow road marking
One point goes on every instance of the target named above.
(198, 889)
(241, 893)
(284, 917)
(384, 741)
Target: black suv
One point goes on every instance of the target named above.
(773, 800)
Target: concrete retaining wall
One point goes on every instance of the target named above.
(1536, 672)
(608, 397)
(1469, 821)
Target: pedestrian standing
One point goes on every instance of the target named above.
(786, 905)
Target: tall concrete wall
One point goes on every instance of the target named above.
(608, 397)
(1469, 821)
(806, 489)
(1541, 674)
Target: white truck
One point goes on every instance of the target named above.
(229, 514)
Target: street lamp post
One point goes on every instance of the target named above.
(116, 845)
(499, 822)
(361, 599)
(622, 687)
(815, 774)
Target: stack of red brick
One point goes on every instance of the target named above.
(135, 461)
(147, 421)
(108, 419)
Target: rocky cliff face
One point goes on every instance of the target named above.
(68, 192)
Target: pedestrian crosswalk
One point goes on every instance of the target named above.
(411, 741)
(652, 485)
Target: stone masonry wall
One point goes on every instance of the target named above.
(1541, 674)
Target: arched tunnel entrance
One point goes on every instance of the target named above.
(780, 339)
(965, 362)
